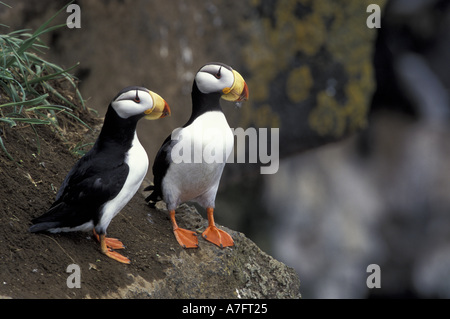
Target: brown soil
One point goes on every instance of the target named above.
(31, 263)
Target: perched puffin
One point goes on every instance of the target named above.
(102, 182)
(206, 133)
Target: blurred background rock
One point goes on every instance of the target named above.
(363, 117)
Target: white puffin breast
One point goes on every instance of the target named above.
(198, 181)
(137, 162)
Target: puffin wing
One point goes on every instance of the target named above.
(92, 182)
(160, 166)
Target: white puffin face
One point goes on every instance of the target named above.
(213, 78)
(137, 100)
(132, 101)
(221, 78)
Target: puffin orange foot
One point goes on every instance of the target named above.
(186, 238)
(110, 242)
(114, 243)
(218, 237)
(107, 243)
(116, 256)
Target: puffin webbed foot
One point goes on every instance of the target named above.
(116, 256)
(114, 243)
(108, 244)
(218, 237)
(215, 235)
(186, 238)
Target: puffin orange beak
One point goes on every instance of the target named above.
(160, 108)
(165, 111)
(238, 91)
(244, 94)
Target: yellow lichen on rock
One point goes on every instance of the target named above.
(350, 45)
(299, 83)
(307, 43)
(328, 117)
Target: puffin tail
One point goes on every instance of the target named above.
(149, 188)
(49, 220)
(154, 197)
(39, 227)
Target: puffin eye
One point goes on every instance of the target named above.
(218, 75)
(137, 99)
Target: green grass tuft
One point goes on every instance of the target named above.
(30, 87)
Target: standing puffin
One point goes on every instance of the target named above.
(102, 182)
(206, 132)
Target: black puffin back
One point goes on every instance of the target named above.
(95, 179)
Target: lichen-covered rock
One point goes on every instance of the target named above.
(309, 67)
(242, 271)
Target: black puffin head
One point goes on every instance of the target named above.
(136, 101)
(220, 79)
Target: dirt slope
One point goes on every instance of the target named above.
(34, 265)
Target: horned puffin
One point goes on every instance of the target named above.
(102, 182)
(206, 133)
